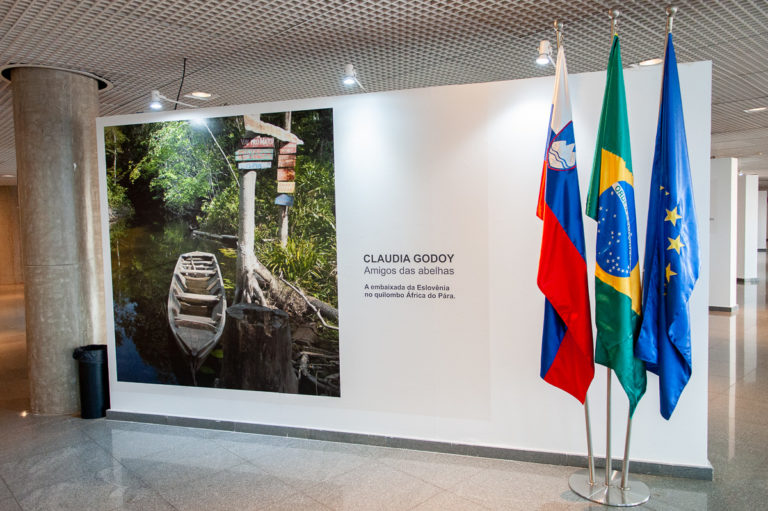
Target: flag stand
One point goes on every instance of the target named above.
(618, 489)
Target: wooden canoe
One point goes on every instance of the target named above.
(197, 305)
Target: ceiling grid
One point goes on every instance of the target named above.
(270, 50)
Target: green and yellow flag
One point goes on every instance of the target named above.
(611, 202)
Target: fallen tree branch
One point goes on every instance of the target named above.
(312, 306)
(227, 239)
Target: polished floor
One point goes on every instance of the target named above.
(62, 463)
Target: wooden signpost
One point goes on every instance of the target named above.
(261, 154)
(258, 153)
(251, 143)
(286, 160)
(254, 165)
(286, 175)
(284, 200)
(286, 186)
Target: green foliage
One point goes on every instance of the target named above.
(119, 204)
(314, 213)
(302, 262)
(184, 166)
(309, 259)
(219, 214)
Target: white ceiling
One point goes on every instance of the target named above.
(256, 51)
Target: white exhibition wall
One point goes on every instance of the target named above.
(455, 171)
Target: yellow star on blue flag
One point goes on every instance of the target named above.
(671, 242)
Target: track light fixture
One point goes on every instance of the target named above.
(545, 53)
(350, 77)
(156, 101)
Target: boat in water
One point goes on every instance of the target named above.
(197, 305)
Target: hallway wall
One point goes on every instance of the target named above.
(10, 238)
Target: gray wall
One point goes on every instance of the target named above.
(10, 239)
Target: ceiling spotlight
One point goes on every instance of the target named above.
(756, 109)
(350, 75)
(155, 103)
(651, 62)
(545, 53)
(199, 94)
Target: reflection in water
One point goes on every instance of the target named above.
(143, 258)
(732, 386)
(750, 332)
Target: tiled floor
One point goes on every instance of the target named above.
(62, 463)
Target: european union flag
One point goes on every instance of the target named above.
(671, 265)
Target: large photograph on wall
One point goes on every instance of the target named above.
(223, 245)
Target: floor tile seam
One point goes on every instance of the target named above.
(447, 487)
(147, 454)
(441, 492)
(296, 492)
(302, 486)
(73, 478)
(162, 491)
(421, 479)
(10, 492)
(47, 453)
(119, 507)
(241, 456)
(470, 498)
(14, 499)
(187, 482)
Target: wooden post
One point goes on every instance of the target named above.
(247, 288)
(257, 350)
(284, 212)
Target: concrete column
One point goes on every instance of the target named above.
(54, 118)
(762, 219)
(723, 230)
(747, 241)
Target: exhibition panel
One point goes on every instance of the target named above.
(436, 245)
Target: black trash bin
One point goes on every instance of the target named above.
(94, 380)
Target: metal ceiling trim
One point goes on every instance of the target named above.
(104, 84)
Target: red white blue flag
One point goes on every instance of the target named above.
(567, 356)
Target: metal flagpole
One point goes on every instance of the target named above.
(577, 479)
(614, 14)
(583, 483)
(608, 460)
(625, 465)
(590, 457)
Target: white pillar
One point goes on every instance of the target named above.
(762, 219)
(723, 230)
(747, 243)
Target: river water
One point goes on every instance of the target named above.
(143, 259)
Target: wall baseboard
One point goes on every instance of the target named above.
(550, 458)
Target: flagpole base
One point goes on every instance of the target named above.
(637, 492)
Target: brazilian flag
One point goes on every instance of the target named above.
(611, 202)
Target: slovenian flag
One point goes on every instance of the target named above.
(567, 361)
(611, 201)
(671, 265)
